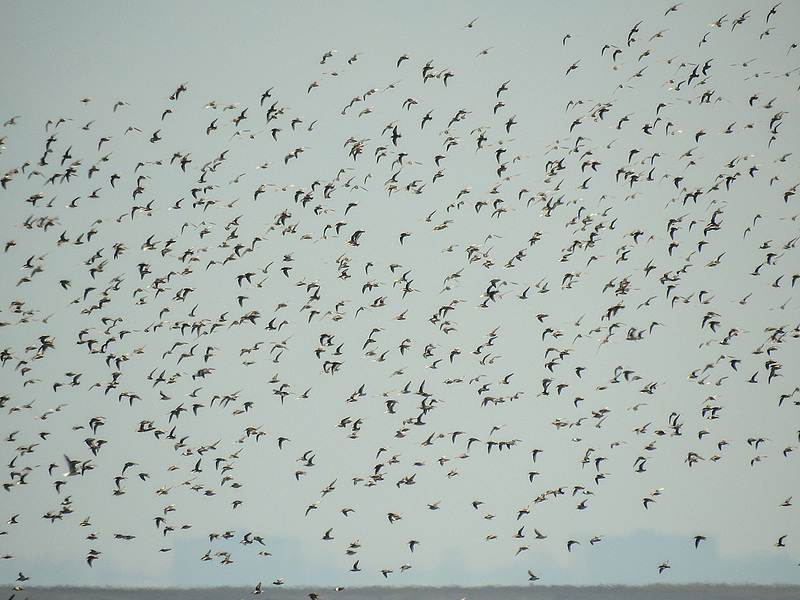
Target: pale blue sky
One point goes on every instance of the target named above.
(617, 221)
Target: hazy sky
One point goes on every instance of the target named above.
(513, 282)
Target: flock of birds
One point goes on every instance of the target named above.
(204, 321)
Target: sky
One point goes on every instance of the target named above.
(352, 294)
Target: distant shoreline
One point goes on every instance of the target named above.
(555, 592)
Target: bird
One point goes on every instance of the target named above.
(72, 467)
(572, 67)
